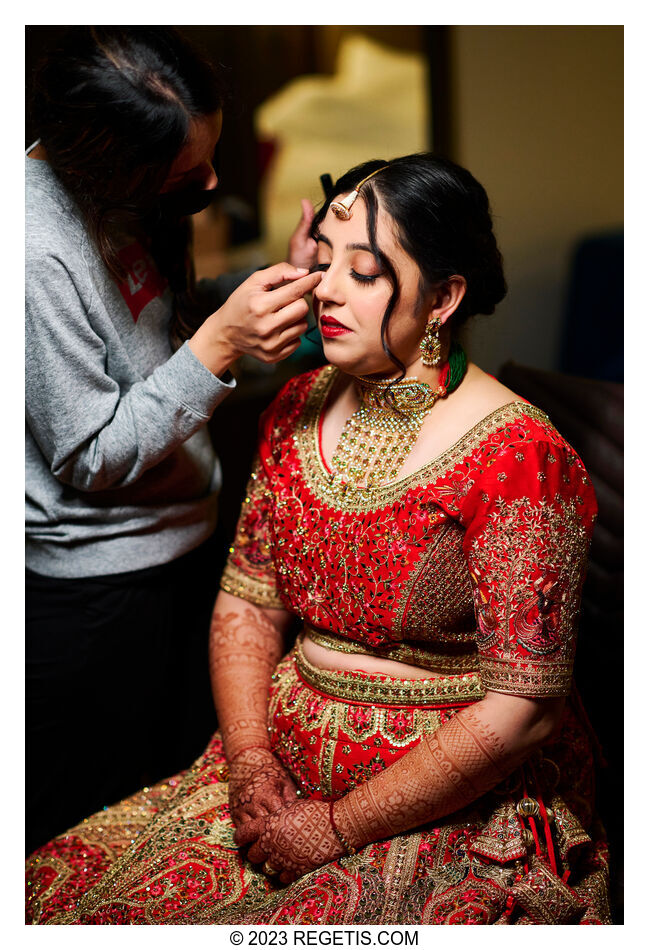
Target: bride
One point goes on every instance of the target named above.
(418, 755)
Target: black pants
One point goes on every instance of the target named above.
(118, 693)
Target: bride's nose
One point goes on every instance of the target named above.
(329, 289)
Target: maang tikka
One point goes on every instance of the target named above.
(430, 344)
(343, 208)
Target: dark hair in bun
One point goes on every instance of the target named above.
(443, 222)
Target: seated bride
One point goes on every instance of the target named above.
(419, 756)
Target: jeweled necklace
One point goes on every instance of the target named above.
(378, 437)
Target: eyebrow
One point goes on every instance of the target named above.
(348, 247)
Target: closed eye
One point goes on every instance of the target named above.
(359, 278)
(364, 278)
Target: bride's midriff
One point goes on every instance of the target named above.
(326, 659)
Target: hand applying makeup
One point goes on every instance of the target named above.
(302, 248)
(264, 317)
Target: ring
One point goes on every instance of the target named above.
(268, 869)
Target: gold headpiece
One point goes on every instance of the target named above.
(343, 208)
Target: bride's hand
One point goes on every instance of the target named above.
(258, 786)
(297, 839)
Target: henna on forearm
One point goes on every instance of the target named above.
(464, 759)
(245, 647)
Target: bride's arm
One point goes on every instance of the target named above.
(246, 642)
(465, 758)
(479, 747)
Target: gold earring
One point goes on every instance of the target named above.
(430, 344)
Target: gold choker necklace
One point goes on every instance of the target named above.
(379, 435)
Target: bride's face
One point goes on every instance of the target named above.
(350, 300)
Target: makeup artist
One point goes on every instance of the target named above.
(126, 359)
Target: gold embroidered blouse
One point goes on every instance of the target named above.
(485, 547)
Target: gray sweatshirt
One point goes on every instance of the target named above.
(120, 470)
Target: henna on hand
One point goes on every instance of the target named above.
(293, 841)
(259, 785)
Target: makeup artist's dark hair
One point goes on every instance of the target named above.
(443, 222)
(112, 106)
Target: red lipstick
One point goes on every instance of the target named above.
(330, 327)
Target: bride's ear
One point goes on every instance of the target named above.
(447, 298)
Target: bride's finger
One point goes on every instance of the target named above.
(256, 854)
(270, 801)
(249, 831)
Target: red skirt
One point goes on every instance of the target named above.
(167, 855)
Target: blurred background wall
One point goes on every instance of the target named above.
(535, 112)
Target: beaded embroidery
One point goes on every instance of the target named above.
(474, 535)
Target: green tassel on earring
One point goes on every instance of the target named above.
(456, 366)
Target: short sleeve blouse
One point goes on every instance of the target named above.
(483, 549)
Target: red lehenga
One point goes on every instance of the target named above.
(494, 533)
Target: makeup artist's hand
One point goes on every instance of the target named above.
(302, 249)
(264, 317)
